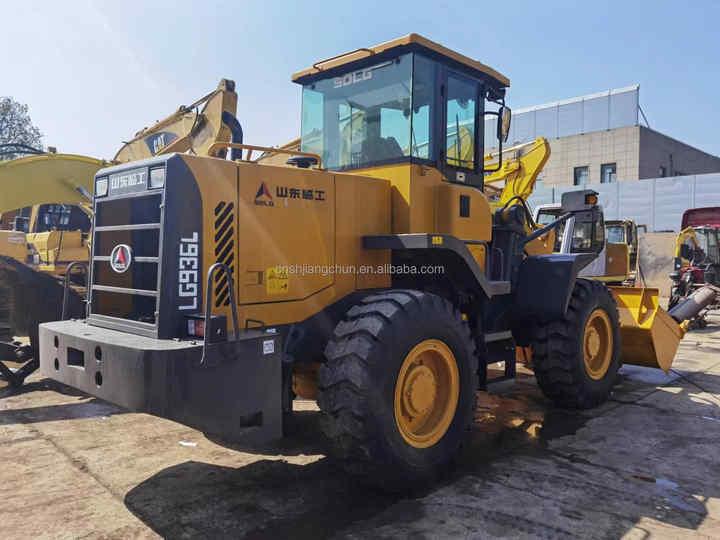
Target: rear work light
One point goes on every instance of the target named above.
(101, 186)
(216, 332)
(157, 177)
(196, 328)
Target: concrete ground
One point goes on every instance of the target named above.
(645, 464)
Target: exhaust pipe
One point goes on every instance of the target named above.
(695, 303)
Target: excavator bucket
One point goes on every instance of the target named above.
(648, 334)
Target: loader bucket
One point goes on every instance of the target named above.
(649, 336)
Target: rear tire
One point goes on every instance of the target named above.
(576, 358)
(397, 392)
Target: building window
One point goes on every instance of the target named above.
(608, 173)
(663, 171)
(580, 175)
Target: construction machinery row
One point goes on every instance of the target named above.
(45, 218)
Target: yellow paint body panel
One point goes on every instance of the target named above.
(59, 248)
(649, 336)
(298, 235)
(617, 260)
(12, 244)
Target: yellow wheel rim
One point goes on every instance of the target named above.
(426, 393)
(597, 344)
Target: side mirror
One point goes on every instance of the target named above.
(503, 123)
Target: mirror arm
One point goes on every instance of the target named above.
(547, 228)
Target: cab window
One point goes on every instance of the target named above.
(616, 234)
(461, 108)
(62, 217)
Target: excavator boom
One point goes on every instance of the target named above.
(47, 178)
(189, 129)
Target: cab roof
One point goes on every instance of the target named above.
(699, 217)
(327, 67)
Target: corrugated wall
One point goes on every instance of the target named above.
(657, 203)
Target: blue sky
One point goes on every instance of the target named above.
(93, 73)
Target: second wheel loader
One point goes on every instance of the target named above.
(373, 273)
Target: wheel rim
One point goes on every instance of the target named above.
(597, 344)
(426, 393)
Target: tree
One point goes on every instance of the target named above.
(16, 127)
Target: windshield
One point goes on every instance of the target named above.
(616, 234)
(365, 117)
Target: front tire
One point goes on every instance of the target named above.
(397, 392)
(576, 358)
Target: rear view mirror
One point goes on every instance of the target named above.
(503, 123)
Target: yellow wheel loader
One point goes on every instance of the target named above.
(45, 216)
(373, 274)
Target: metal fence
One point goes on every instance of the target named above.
(595, 112)
(657, 203)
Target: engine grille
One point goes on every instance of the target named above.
(129, 297)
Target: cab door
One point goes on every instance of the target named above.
(462, 110)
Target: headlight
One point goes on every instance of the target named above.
(101, 186)
(157, 177)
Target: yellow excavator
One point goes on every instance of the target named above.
(376, 255)
(45, 215)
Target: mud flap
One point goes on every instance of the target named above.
(649, 336)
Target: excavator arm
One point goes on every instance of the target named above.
(689, 237)
(189, 129)
(519, 172)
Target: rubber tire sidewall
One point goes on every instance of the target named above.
(406, 332)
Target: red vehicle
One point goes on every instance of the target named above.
(697, 255)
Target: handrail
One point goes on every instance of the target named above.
(208, 305)
(316, 65)
(219, 144)
(66, 285)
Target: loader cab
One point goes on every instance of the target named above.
(405, 102)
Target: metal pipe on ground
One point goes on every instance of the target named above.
(695, 303)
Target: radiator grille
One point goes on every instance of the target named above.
(132, 295)
(224, 249)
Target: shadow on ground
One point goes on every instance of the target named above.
(645, 462)
(530, 470)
